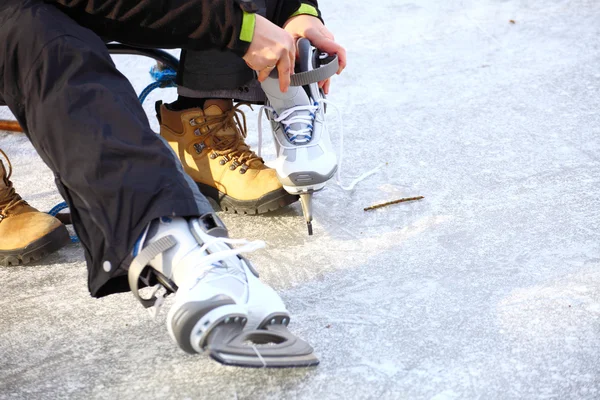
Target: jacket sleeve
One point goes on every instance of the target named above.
(190, 24)
(291, 8)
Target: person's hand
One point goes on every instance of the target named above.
(271, 47)
(312, 28)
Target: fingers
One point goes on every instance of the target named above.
(323, 40)
(264, 73)
(284, 69)
(325, 85)
(342, 59)
(271, 47)
(331, 47)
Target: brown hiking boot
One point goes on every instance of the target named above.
(25, 233)
(210, 144)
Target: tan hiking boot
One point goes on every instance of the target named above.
(25, 233)
(210, 144)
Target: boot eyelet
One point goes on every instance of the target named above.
(193, 122)
(213, 156)
(222, 162)
(199, 147)
(232, 167)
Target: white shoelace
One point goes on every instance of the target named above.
(303, 135)
(307, 133)
(218, 259)
(213, 259)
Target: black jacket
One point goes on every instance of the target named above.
(199, 24)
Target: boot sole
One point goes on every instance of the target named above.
(37, 250)
(269, 202)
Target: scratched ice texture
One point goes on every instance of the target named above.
(488, 288)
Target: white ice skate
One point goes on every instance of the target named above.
(218, 294)
(305, 159)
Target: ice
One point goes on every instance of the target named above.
(488, 288)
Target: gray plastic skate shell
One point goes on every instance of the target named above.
(306, 178)
(281, 349)
(227, 342)
(325, 71)
(186, 317)
(209, 223)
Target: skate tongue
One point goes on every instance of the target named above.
(220, 250)
(295, 96)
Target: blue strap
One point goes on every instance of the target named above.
(58, 208)
(163, 78)
(54, 212)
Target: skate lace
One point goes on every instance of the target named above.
(216, 263)
(219, 260)
(9, 198)
(301, 134)
(231, 147)
(247, 247)
(291, 116)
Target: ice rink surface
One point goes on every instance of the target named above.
(488, 288)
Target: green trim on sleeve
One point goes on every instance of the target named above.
(248, 23)
(306, 9)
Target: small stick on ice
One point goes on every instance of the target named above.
(12, 126)
(389, 203)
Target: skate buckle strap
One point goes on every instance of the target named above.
(141, 261)
(316, 75)
(325, 71)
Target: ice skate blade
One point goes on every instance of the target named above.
(306, 200)
(309, 227)
(272, 347)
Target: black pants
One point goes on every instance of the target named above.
(85, 121)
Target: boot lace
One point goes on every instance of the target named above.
(231, 147)
(9, 198)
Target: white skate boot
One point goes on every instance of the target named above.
(218, 293)
(305, 157)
